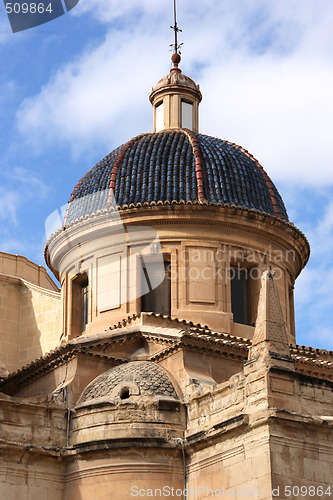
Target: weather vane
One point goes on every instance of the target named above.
(175, 28)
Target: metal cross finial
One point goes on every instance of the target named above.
(175, 45)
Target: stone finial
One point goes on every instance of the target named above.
(176, 60)
(270, 330)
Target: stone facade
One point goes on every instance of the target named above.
(202, 243)
(102, 396)
(30, 311)
(254, 428)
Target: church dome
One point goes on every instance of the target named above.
(179, 208)
(176, 166)
(176, 78)
(138, 378)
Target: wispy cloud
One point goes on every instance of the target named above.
(266, 73)
(12, 245)
(5, 30)
(314, 291)
(325, 225)
(30, 182)
(18, 186)
(8, 90)
(106, 11)
(9, 202)
(90, 100)
(264, 68)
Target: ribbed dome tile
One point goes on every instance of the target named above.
(163, 167)
(150, 378)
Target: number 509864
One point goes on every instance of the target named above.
(28, 8)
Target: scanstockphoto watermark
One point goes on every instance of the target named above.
(293, 491)
(199, 492)
(222, 265)
(218, 274)
(195, 273)
(26, 14)
(123, 263)
(232, 254)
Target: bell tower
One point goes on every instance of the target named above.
(176, 97)
(175, 101)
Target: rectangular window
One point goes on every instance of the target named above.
(159, 116)
(240, 295)
(85, 296)
(157, 300)
(80, 305)
(187, 115)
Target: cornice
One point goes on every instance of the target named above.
(49, 362)
(174, 334)
(194, 214)
(15, 280)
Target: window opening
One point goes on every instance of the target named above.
(124, 393)
(80, 304)
(157, 300)
(159, 116)
(85, 296)
(187, 115)
(240, 295)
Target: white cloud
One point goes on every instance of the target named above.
(8, 91)
(5, 29)
(91, 99)
(266, 73)
(9, 202)
(280, 110)
(19, 186)
(31, 184)
(264, 67)
(314, 291)
(325, 226)
(107, 11)
(12, 245)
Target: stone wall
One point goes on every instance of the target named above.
(10, 298)
(31, 433)
(21, 267)
(123, 474)
(40, 323)
(238, 466)
(30, 311)
(302, 457)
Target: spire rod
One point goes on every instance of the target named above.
(175, 28)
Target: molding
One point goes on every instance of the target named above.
(195, 213)
(175, 334)
(217, 459)
(205, 438)
(228, 454)
(124, 468)
(31, 474)
(301, 444)
(16, 280)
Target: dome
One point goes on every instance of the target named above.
(176, 79)
(143, 378)
(176, 166)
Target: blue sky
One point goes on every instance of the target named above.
(74, 89)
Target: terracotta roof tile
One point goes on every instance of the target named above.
(176, 166)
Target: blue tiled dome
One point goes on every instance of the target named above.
(176, 165)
